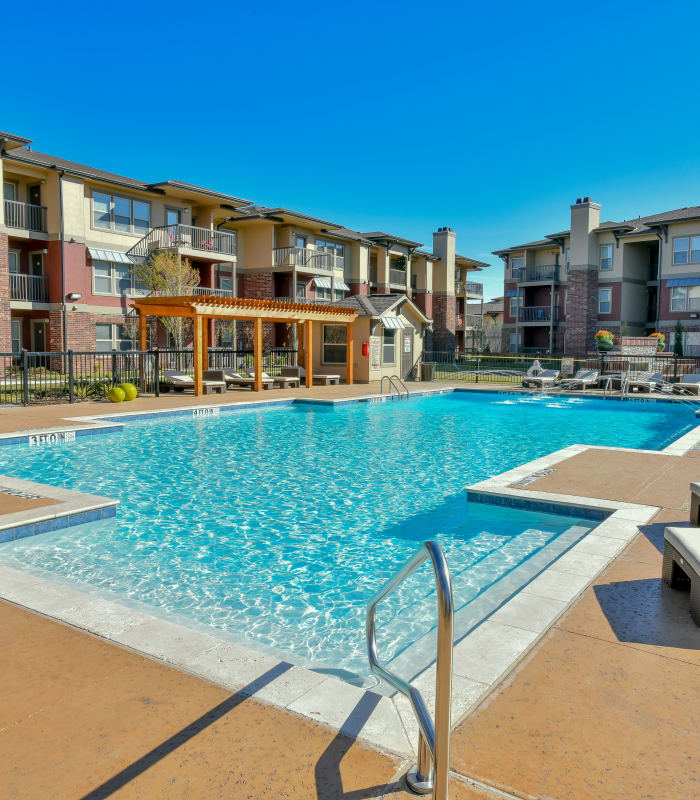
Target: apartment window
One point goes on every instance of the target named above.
(301, 291)
(335, 344)
(513, 306)
(685, 298)
(389, 346)
(686, 250)
(517, 263)
(16, 335)
(323, 294)
(568, 259)
(14, 260)
(333, 247)
(115, 279)
(604, 301)
(10, 190)
(514, 342)
(112, 336)
(223, 276)
(115, 213)
(606, 256)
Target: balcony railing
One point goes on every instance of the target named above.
(173, 237)
(469, 287)
(30, 288)
(25, 215)
(397, 276)
(473, 321)
(210, 292)
(537, 314)
(306, 257)
(545, 272)
(321, 301)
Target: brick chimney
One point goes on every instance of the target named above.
(582, 279)
(444, 306)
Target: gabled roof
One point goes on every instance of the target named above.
(380, 236)
(376, 305)
(526, 246)
(263, 212)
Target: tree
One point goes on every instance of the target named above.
(165, 274)
(678, 339)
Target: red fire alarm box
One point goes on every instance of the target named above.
(365, 348)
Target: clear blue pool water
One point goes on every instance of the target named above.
(275, 526)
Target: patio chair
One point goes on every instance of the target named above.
(645, 381)
(300, 372)
(280, 381)
(681, 564)
(243, 381)
(535, 369)
(689, 384)
(582, 379)
(547, 377)
(179, 381)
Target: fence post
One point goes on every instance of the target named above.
(25, 377)
(115, 373)
(602, 363)
(675, 367)
(478, 368)
(71, 378)
(156, 371)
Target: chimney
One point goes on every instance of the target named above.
(444, 304)
(585, 217)
(444, 248)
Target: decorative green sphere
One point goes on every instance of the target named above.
(116, 394)
(130, 391)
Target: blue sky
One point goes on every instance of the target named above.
(488, 117)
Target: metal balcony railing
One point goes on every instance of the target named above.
(25, 215)
(397, 276)
(304, 257)
(319, 301)
(190, 237)
(469, 287)
(211, 292)
(545, 272)
(537, 314)
(30, 288)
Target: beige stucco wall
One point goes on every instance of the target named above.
(668, 269)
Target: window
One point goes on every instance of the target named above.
(223, 274)
(335, 344)
(604, 301)
(686, 250)
(685, 298)
(116, 279)
(16, 335)
(322, 293)
(112, 336)
(568, 259)
(332, 247)
(514, 342)
(606, 256)
(513, 306)
(517, 263)
(389, 346)
(9, 190)
(115, 213)
(301, 291)
(14, 260)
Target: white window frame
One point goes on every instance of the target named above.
(322, 293)
(16, 326)
(386, 347)
(133, 291)
(514, 341)
(18, 256)
(133, 230)
(114, 339)
(687, 301)
(325, 359)
(601, 291)
(336, 248)
(692, 254)
(519, 265)
(604, 258)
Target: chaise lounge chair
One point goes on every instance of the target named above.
(689, 384)
(582, 379)
(300, 372)
(242, 381)
(280, 381)
(645, 381)
(547, 377)
(179, 381)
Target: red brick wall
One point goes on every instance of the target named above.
(81, 329)
(444, 322)
(424, 301)
(5, 329)
(359, 288)
(582, 319)
(259, 285)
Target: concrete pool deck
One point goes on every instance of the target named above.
(604, 705)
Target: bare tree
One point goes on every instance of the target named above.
(166, 274)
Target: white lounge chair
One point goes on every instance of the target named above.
(236, 379)
(681, 564)
(645, 381)
(181, 380)
(547, 377)
(300, 372)
(689, 384)
(582, 379)
(282, 381)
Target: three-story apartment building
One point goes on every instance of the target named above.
(70, 234)
(632, 277)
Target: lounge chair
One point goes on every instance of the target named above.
(547, 377)
(645, 381)
(582, 379)
(300, 372)
(681, 564)
(179, 381)
(689, 384)
(281, 381)
(236, 379)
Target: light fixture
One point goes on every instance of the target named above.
(73, 296)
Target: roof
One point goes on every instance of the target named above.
(495, 306)
(36, 158)
(10, 140)
(526, 246)
(471, 262)
(376, 305)
(390, 237)
(263, 212)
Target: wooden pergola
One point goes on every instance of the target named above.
(202, 308)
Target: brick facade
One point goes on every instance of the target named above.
(444, 322)
(359, 288)
(261, 286)
(582, 306)
(5, 327)
(82, 335)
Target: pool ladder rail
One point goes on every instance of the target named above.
(431, 774)
(394, 383)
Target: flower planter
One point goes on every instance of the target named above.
(604, 345)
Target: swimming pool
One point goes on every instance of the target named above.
(275, 525)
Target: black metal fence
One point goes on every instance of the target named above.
(69, 377)
(510, 369)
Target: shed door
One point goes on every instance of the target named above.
(407, 353)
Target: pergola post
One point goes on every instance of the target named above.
(308, 353)
(349, 363)
(197, 354)
(257, 353)
(300, 343)
(143, 337)
(205, 343)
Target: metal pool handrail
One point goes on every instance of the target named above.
(392, 385)
(431, 772)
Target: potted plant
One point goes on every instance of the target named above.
(660, 341)
(604, 341)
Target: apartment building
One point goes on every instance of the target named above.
(70, 234)
(632, 277)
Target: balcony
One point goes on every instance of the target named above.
(29, 288)
(537, 314)
(208, 291)
(185, 238)
(26, 216)
(306, 257)
(469, 287)
(545, 273)
(320, 301)
(397, 276)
